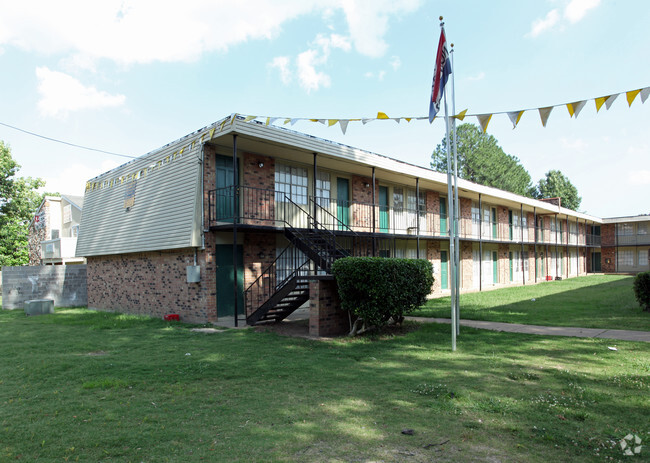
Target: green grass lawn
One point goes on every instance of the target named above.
(597, 301)
(86, 386)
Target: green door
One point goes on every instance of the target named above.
(444, 270)
(510, 261)
(224, 173)
(495, 268)
(443, 216)
(383, 209)
(225, 281)
(343, 202)
(595, 262)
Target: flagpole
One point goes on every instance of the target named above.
(450, 220)
(456, 201)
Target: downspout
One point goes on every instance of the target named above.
(417, 217)
(535, 241)
(521, 226)
(374, 215)
(480, 242)
(314, 190)
(234, 223)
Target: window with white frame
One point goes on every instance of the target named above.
(323, 189)
(75, 231)
(626, 258)
(643, 258)
(292, 182)
(642, 228)
(67, 213)
(624, 229)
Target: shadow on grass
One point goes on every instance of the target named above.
(241, 395)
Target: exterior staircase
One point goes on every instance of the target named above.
(273, 301)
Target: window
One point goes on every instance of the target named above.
(291, 182)
(323, 188)
(642, 229)
(75, 231)
(624, 229)
(67, 213)
(626, 258)
(643, 258)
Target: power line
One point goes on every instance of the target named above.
(67, 143)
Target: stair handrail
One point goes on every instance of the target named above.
(338, 221)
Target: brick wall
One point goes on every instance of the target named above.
(608, 234)
(504, 263)
(608, 253)
(258, 202)
(326, 318)
(361, 198)
(35, 236)
(503, 227)
(65, 284)
(530, 222)
(465, 217)
(433, 256)
(153, 283)
(259, 253)
(433, 211)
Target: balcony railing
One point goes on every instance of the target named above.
(256, 206)
(59, 248)
(632, 240)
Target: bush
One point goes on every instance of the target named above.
(377, 289)
(642, 289)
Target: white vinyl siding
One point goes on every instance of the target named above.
(165, 215)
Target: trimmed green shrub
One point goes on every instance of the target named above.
(642, 290)
(377, 289)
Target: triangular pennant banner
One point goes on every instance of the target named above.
(644, 94)
(249, 118)
(365, 121)
(575, 107)
(344, 125)
(331, 122)
(408, 119)
(600, 101)
(322, 121)
(610, 99)
(212, 133)
(397, 119)
(293, 121)
(631, 95)
(515, 117)
(271, 120)
(484, 120)
(381, 115)
(286, 121)
(544, 113)
(461, 115)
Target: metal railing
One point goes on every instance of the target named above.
(258, 206)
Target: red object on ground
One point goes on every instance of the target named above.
(549, 278)
(172, 317)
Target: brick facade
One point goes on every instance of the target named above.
(433, 256)
(258, 203)
(465, 217)
(152, 283)
(259, 253)
(326, 318)
(466, 265)
(433, 211)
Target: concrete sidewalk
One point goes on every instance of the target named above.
(622, 335)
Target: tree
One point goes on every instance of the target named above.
(556, 185)
(18, 202)
(481, 160)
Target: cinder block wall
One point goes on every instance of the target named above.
(65, 284)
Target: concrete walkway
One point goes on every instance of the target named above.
(622, 335)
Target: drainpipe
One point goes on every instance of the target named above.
(521, 226)
(374, 205)
(535, 241)
(480, 242)
(314, 189)
(234, 223)
(417, 216)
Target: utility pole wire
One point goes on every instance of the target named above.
(67, 143)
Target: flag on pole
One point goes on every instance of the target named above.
(441, 71)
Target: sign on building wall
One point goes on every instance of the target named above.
(129, 195)
(39, 220)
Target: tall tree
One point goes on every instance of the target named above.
(18, 202)
(556, 185)
(481, 160)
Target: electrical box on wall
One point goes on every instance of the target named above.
(193, 273)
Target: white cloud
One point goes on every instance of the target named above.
(71, 180)
(144, 31)
(576, 9)
(639, 177)
(61, 93)
(281, 63)
(479, 76)
(540, 25)
(395, 62)
(577, 144)
(311, 79)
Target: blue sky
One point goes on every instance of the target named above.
(130, 76)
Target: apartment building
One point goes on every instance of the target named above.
(626, 244)
(168, 232)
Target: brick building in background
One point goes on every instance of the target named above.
(165, 232)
